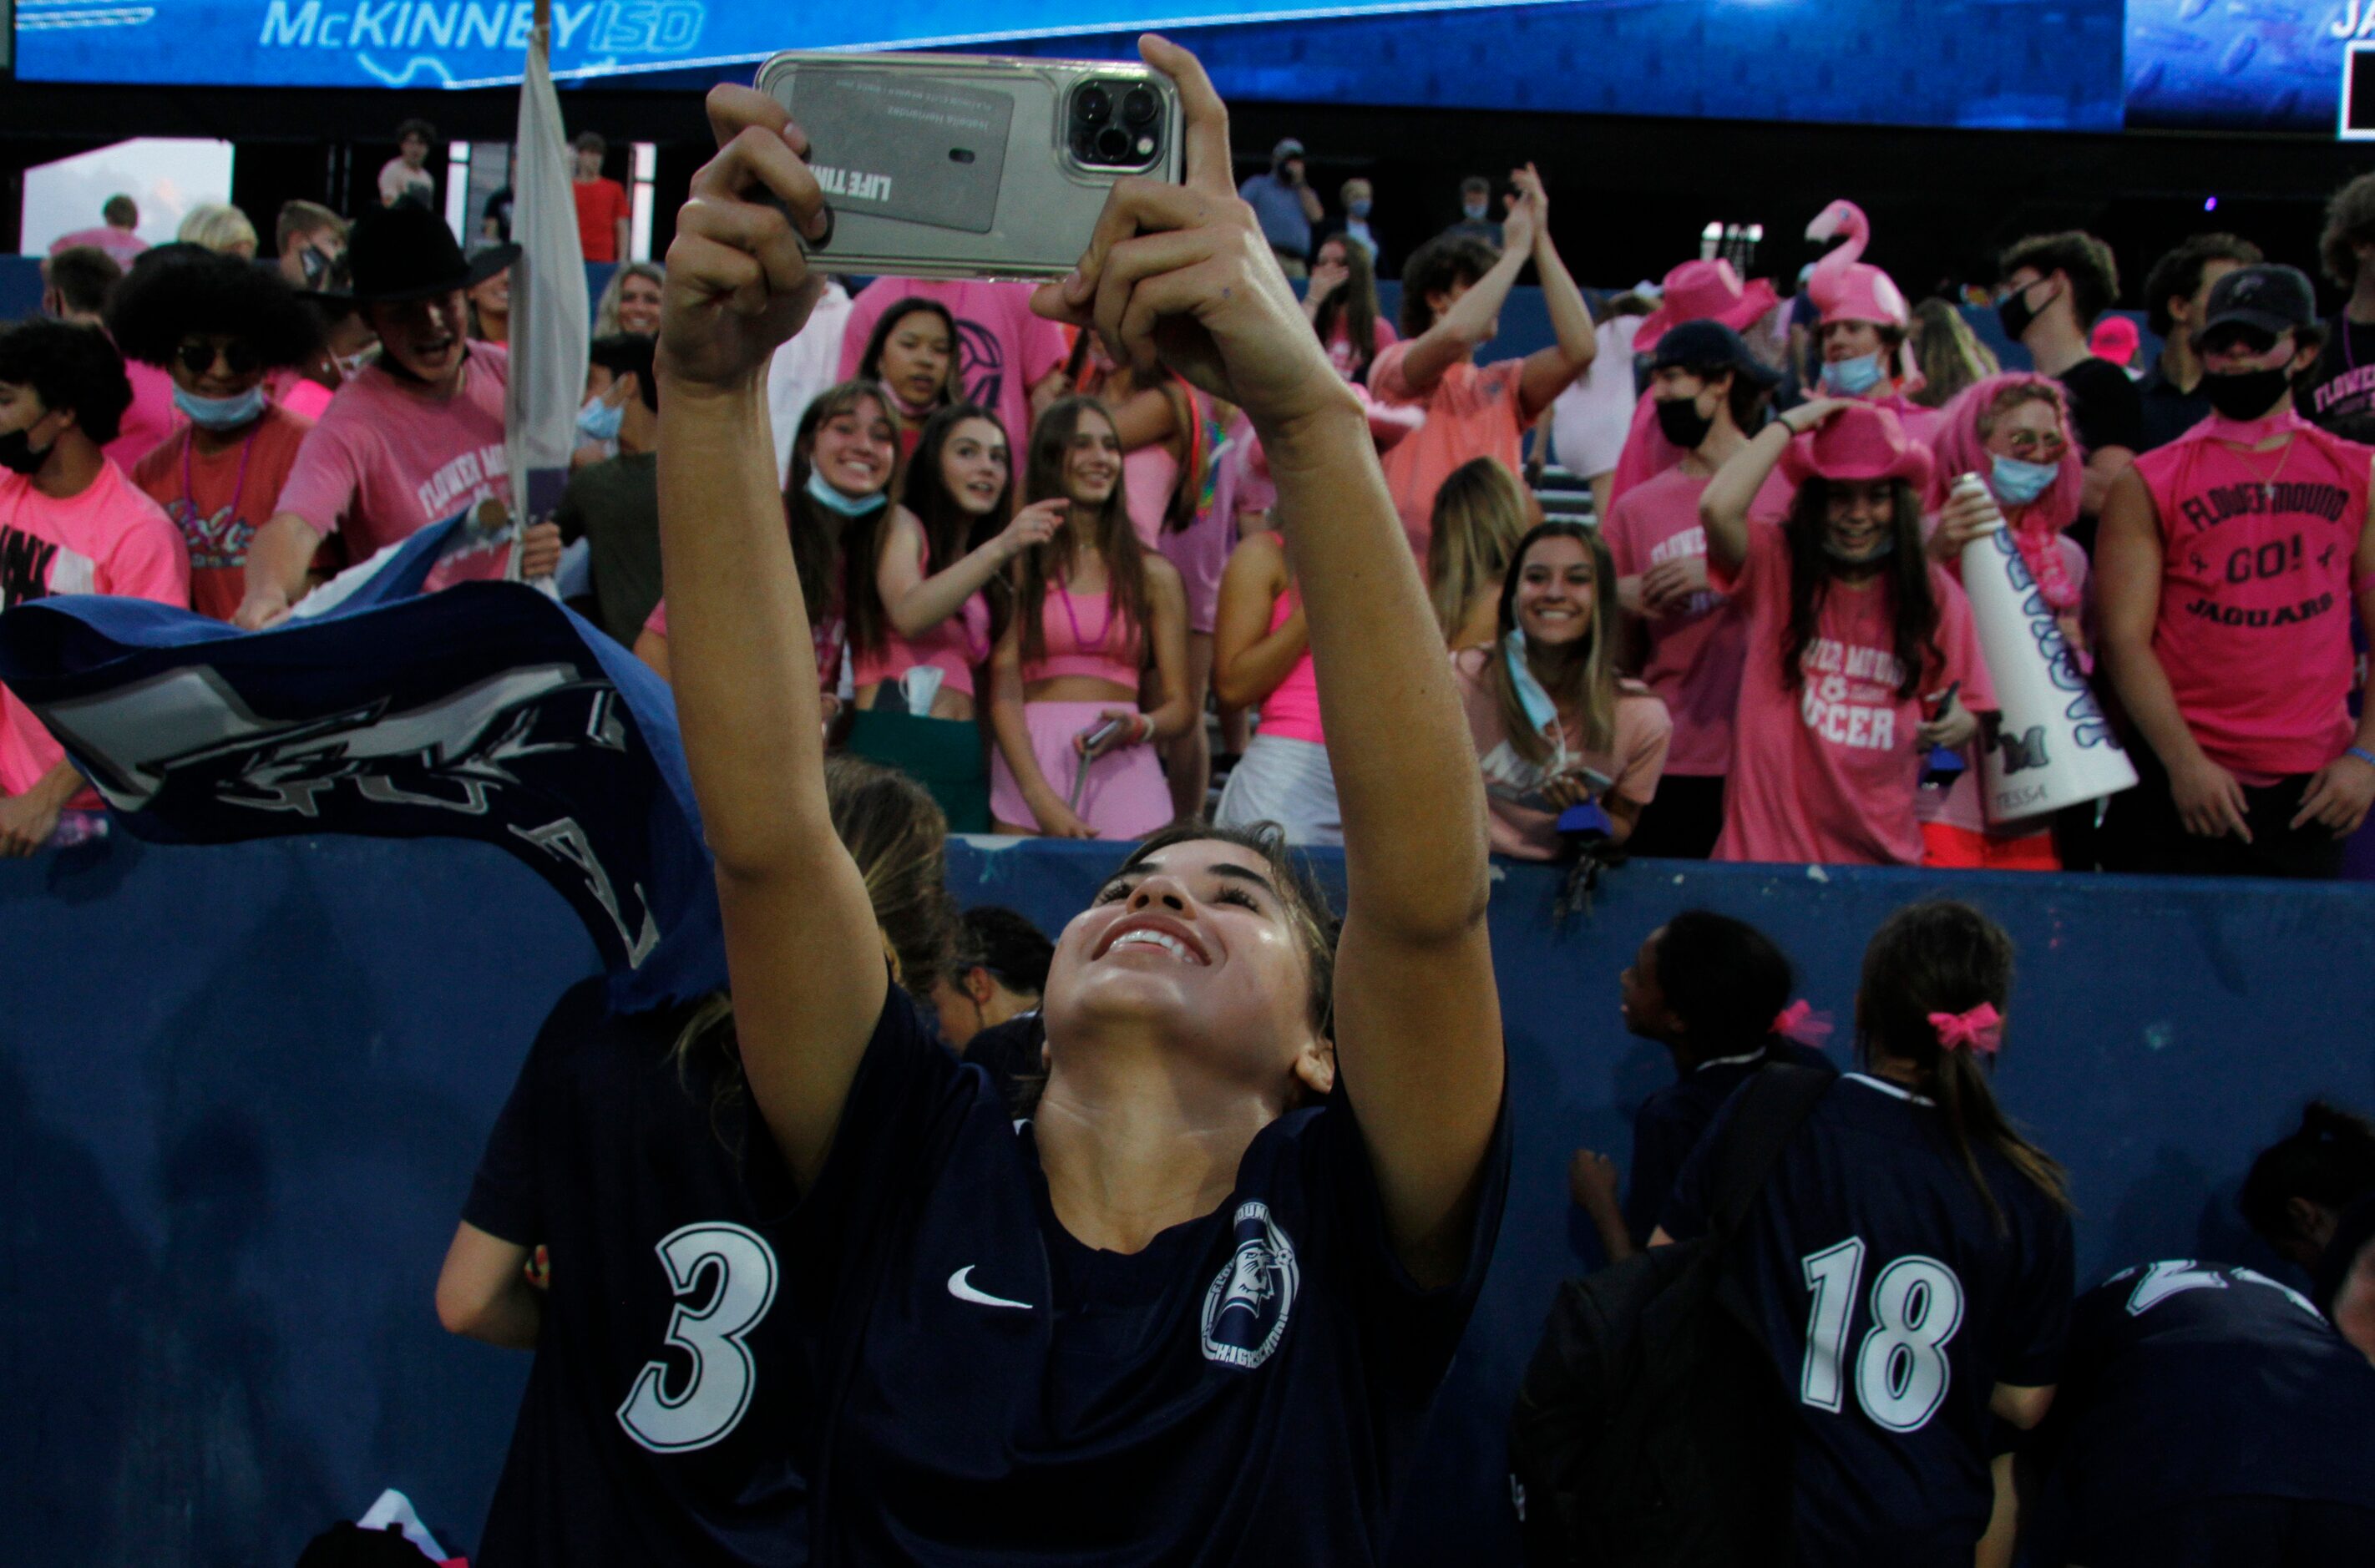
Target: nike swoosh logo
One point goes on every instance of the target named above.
(962, 1290)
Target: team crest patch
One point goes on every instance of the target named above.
(1247, 1309)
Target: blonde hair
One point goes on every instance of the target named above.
(1952, 357)
(606, 313)
(219, 227)
(1480, 515)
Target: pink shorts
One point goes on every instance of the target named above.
(1125, 797)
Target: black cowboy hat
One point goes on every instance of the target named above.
(406, 251)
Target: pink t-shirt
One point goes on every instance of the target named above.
(2254, 624)
(1826, 772)
(1471, 413)
(828, 636)
(1634, 759)
(108, 539)
(1696, 650)
(1148, 477)
(386, 460)
(150, 421)
(300, 395)
(1002, 348)
(1341, 354)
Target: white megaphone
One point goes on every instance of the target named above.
(2052, 746)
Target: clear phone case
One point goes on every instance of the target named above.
(972, 166)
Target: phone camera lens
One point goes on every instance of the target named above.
(1113, 145)
(1138, 105)
(1092, 104)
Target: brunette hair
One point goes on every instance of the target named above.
(2093, 271)
(1440, 264)
(1480, 515)
(2179, 273)
(1186, 494)
(1942, 956)
(1723, 978)
(819, 536)
(2329, 1160)
(898, 836)
(2349, 220)
(1950, 357)
(1308, 914)
(950, 533)
(1586, 688)
(1907, 571)
(1128, 602)
(870, 364)
(1354, 305)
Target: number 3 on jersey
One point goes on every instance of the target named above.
(1901, 1372)
(713, 1398)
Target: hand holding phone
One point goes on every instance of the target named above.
(1181, 276)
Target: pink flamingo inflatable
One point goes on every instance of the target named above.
(1848, 288)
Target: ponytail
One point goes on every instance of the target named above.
(1943, 957)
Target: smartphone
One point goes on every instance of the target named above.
(971, 165)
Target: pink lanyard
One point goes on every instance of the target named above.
(238, 486)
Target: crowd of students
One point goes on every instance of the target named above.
(1053, 587)
(1176, 1273)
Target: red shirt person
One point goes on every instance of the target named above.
(1861, 655)
(218, 326)
(2227, 565)
(604, 213)
(70, 522)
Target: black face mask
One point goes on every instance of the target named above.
(2015, 315)
(1680, 421)
(16, 454)
(2247, 395)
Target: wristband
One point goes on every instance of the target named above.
(1145, 732)
(2361, 753)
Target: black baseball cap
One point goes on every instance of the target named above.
(2270, 298)
(1711, 344)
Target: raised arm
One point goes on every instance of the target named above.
(916, 603)
(1467, 324)
(1551, 370)
(1724, 505)
(1183, 273)
(801, 946)
(277, 559)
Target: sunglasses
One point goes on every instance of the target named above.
(239, 358)
(2232, 335)
(2028, 444)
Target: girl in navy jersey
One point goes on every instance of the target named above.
(1909, 1257)
(1715, 991)
(1196, 1309)
(928, 596)
(660, 1421)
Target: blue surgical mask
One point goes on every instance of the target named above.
(2017, 483)
(1851, 378)
(221, 413)
(1359, 208)
(1475, 210)
(1541, 712)
(600, 420)
(832, 499)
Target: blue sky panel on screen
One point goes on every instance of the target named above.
(2240, 64)
(2010, 64)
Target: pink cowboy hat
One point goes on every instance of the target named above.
(1859, 442)
(1708, 290)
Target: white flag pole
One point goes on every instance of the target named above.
(549, 330)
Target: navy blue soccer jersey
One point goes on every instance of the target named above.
(662, 1415)
(1245, 1389)
(1670, 1122)
(1892, 1304)
(2201, 1380)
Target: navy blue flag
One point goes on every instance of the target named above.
(484, 710)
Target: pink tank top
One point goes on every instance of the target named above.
(956, 647)
(1148, 477)
(1293, 711)
(1065, 619)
